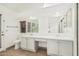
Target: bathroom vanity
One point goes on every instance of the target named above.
(57, 44)
(56, 32)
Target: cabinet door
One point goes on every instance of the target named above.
(24, 43)
(52, 47)
(31, 44)
(28, 44)
(65, 48)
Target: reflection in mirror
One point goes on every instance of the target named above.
(64, 24)
(69, 18)
(33, 26)
(22, 26)
(29, 26)
(67, 23)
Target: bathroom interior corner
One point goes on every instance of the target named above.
(35, 29)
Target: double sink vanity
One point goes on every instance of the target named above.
(56, 44)
(56, 32)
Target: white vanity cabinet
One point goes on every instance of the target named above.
(24, 43)
(28, 44)
(55, 46)
(59, 47)
(31, 44)
(52, 47)
(65, 48)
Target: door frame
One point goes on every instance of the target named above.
(0, 32)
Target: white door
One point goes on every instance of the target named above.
(11, 33)
(0, 31)
(2, 42)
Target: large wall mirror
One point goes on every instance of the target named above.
(29, 26)
(63, 25)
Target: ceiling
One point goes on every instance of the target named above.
(18, 7)
(43, 9)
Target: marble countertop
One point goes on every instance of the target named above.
(52, 37)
